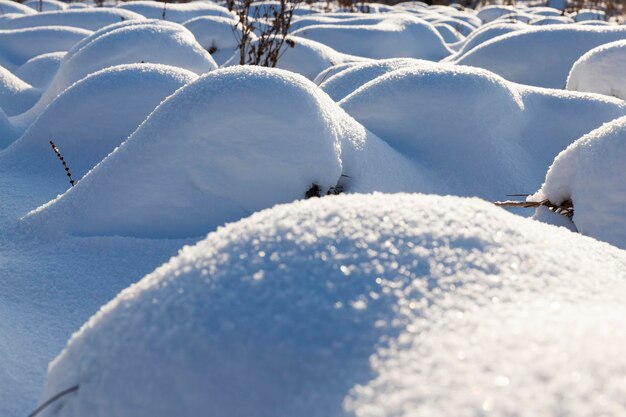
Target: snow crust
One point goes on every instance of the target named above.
(367, 305)
(601, 70)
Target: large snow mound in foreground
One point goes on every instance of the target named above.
(601, 70)
(217, 150)
(367, 305)
(591, 174)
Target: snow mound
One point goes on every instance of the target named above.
(490, 13)
(45, 5)
(345, 82)
(8, 133)
(216, 34)
(306, 57)
(542, 56)
(449, 33)
(367, 305)
(484, 34)
(387, 36)
(601, 70)
(584, 15)
(40, 70)
(91, 118)
(89, 19)
(13, 7)
(590, 173)
(176, 12)
(219, 149)
(16, 96)
(18, 46)
(413, 110)
(147, 41)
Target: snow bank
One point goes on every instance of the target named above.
(543, 56)
(484, 34)
(345, 82)
(360, 305)
(45, 5)
(176, 12)
(12, 7)
(216, 34)
(472, 131)
(306, 57)
(16, 95)
(590, 14)
(490, 13)
(135, 42)
(591, 174)
(18, 46)
(219, 149)
(90, 19)
(601, 70)
(91, 118)
(40, 70)
(387, 36)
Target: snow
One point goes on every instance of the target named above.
(45, 5)
(590, 173)
(16, 95)
(129, 42)
(601, 70)
(542, 56)
(367, 305)
(188, 148)
(18, 46)
(90, 119)
(12, 7)
(175, 12)
(396, 35)
(216, 34)
(40, 70)
(90, 19)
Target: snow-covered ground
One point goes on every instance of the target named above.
(182, 274)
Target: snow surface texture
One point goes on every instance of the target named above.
(16, 96)
(176, 12)
(601, 70)
(40, 70)
(542, 56)
(126, 42)
(591, 174)
(90, 19)
(379, 305)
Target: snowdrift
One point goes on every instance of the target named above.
(18, 46)
(16, 95)
(590, 173)
(12, 7)
(40, 70)
(216, 34)
(361, 305)
(176, 12)
(90, 119)
(90, 19)
(388, 36)
(601, 70)
(542, 56)
(187, 169)
(471, 130)
(127, 43)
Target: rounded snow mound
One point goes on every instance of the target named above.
(542, 56)
(8, 133)
(306, 57)
(16, 96)
(18, 46)
(13, 7)
(45, 5)
(176, 12)
(372, 305)
(153, 42)
(40, 70)
(345, 82)
(590, 173)
(219, 149)
(490, 13)
(387, 36)
(436, 114)
(90, 19)
(91, 118)
(216, 34)
(482, 35)
(601, 70)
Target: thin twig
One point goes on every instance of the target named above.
(60, 156)
(53, 399)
